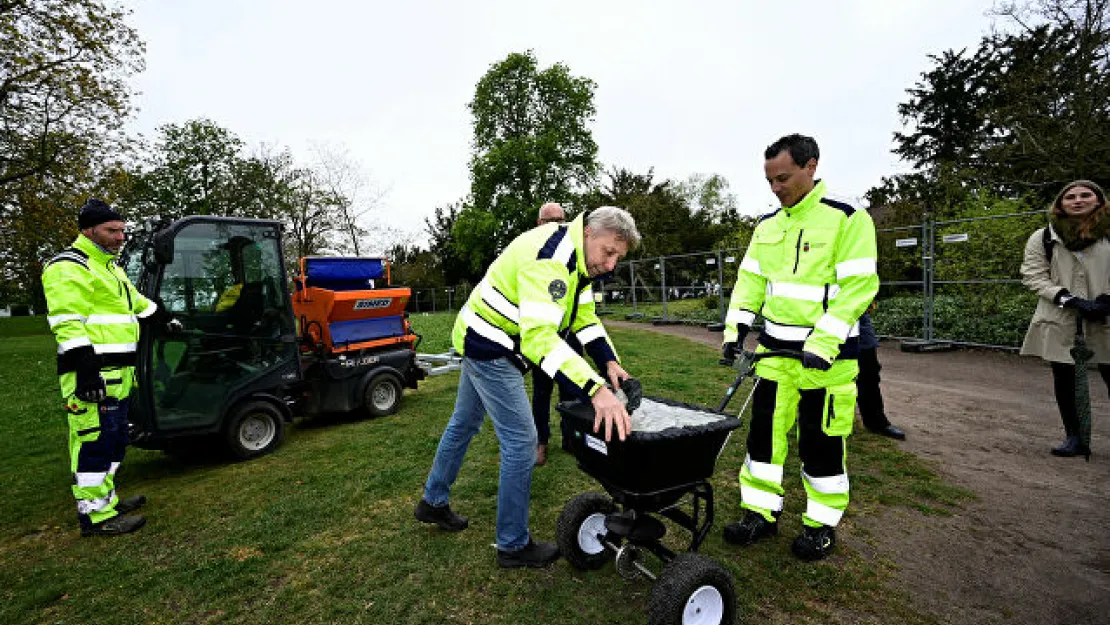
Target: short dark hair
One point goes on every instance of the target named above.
(801, 148)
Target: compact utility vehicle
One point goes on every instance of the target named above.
(244, 352)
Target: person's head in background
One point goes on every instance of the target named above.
(551, 212)
(1085, 201)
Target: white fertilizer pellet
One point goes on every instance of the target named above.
(653, 416)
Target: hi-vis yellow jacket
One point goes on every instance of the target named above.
(810, 271)
(536, 289)
(92, 307)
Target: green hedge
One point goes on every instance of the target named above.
(996, 316)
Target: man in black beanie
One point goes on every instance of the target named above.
(94, 312)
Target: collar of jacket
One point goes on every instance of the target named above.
(809, 201)
(96, 253)
(578, 236)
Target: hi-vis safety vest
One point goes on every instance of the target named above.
(91, 305)
(810, 271)
(537, 288)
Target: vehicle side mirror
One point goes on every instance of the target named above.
(163, 247)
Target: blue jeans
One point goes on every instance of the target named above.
(496, 387)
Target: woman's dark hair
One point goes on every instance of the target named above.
(801, 148)
(1088, 221)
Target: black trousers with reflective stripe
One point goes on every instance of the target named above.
(821, 455)
(95, 449)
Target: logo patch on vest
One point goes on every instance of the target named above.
(557, 289)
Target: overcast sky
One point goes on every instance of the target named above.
(684, 87)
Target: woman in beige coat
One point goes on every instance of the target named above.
(1072, 278)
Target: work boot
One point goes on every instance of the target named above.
(115, 526)
(541, 455)
(814, 543)
(1069, 448)
(442, 516)
(534, 554)
(750, 529)
(131, 504)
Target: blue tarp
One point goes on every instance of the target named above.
(344, 332)
(344, 274)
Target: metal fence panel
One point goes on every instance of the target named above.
(952, 281)
(901, 306)
(978, 298)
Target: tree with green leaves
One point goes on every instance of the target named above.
(199, 168)
(39, 218)
(64, 67)
(192, 168)
(449, 256)
(532, 144)
(1023, 114)
(412, 266)
(64, 97)
(672, 218)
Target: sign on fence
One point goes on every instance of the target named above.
(711, 261)
(955, 238)
(905, 242)
(730, 259)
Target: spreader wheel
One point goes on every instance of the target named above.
(580, 523)
(693, 590)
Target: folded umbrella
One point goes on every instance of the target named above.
(1082, 355)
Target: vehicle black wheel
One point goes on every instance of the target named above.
(382, 395)
(254, 429)
(693, 590)
(580, 523)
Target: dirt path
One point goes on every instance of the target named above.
(1034, 548)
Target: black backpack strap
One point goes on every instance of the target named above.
(1046, 240)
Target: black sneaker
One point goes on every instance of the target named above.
(115, 526)
(442, 516)
(534, 554)
(750, 529)
(814, 543)
(131, 504)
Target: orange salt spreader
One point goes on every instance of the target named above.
(345, 304)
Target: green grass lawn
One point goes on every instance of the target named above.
(686, 310)
(321, 531)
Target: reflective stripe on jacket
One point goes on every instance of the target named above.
(810, 271)
(92, 305)
(536, 289)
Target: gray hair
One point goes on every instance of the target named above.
(617, 221)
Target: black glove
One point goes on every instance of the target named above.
(741, 333)
(90, 384)
(1103, 302)
(730, 350)
(813, 361)
(158, 317)
(1090, 310)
